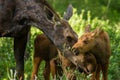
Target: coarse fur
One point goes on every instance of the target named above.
(16, 18)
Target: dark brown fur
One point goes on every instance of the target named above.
(45, 50)
(16, 18)
(96, 42)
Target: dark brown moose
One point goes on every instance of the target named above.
(96, 42)
(16, 18)
(45, 50)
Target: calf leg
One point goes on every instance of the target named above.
(97, 72)
(47, 71)
(53, 68)
(36, 64)
(105, 71)
(19, 49)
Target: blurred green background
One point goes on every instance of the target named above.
(104, 13)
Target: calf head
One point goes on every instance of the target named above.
(87, 41)
(88, 61)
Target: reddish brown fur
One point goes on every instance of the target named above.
(45, 50)
(97, 42)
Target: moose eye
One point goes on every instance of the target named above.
(85, 41)
(69, 39)
(22, 21)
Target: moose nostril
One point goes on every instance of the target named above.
(69, 38)
(75, 51)
(76, 61)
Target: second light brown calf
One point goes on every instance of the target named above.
(96, 42)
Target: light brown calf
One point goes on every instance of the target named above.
(96, 42)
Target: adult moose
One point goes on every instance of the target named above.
(16, 17)
(96, 42)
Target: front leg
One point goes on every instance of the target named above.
(19, 50)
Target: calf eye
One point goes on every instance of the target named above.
(85, 41)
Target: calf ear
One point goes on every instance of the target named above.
(68, 13)
(97, 31)
(87, 28)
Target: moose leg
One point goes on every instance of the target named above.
(105, 71)
(47, 71)
(19, 50)
(36, 64)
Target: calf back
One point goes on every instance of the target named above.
(44, 47)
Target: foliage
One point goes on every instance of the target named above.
(103, 9)
(87, 13)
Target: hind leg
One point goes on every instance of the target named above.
(19, 50)
(36, 64)
(47, 71)
(105, 71)
(96, 74)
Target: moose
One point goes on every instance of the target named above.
(96, 42)
(16, 18)
(45, 50)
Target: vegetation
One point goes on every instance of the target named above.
(103, 13)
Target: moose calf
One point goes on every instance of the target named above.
(45, 50)
(87, 62)
(96, 42)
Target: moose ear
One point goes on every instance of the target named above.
(87, 28)
(68, 13)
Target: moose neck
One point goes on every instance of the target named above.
(99, 51)
(36, 15)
